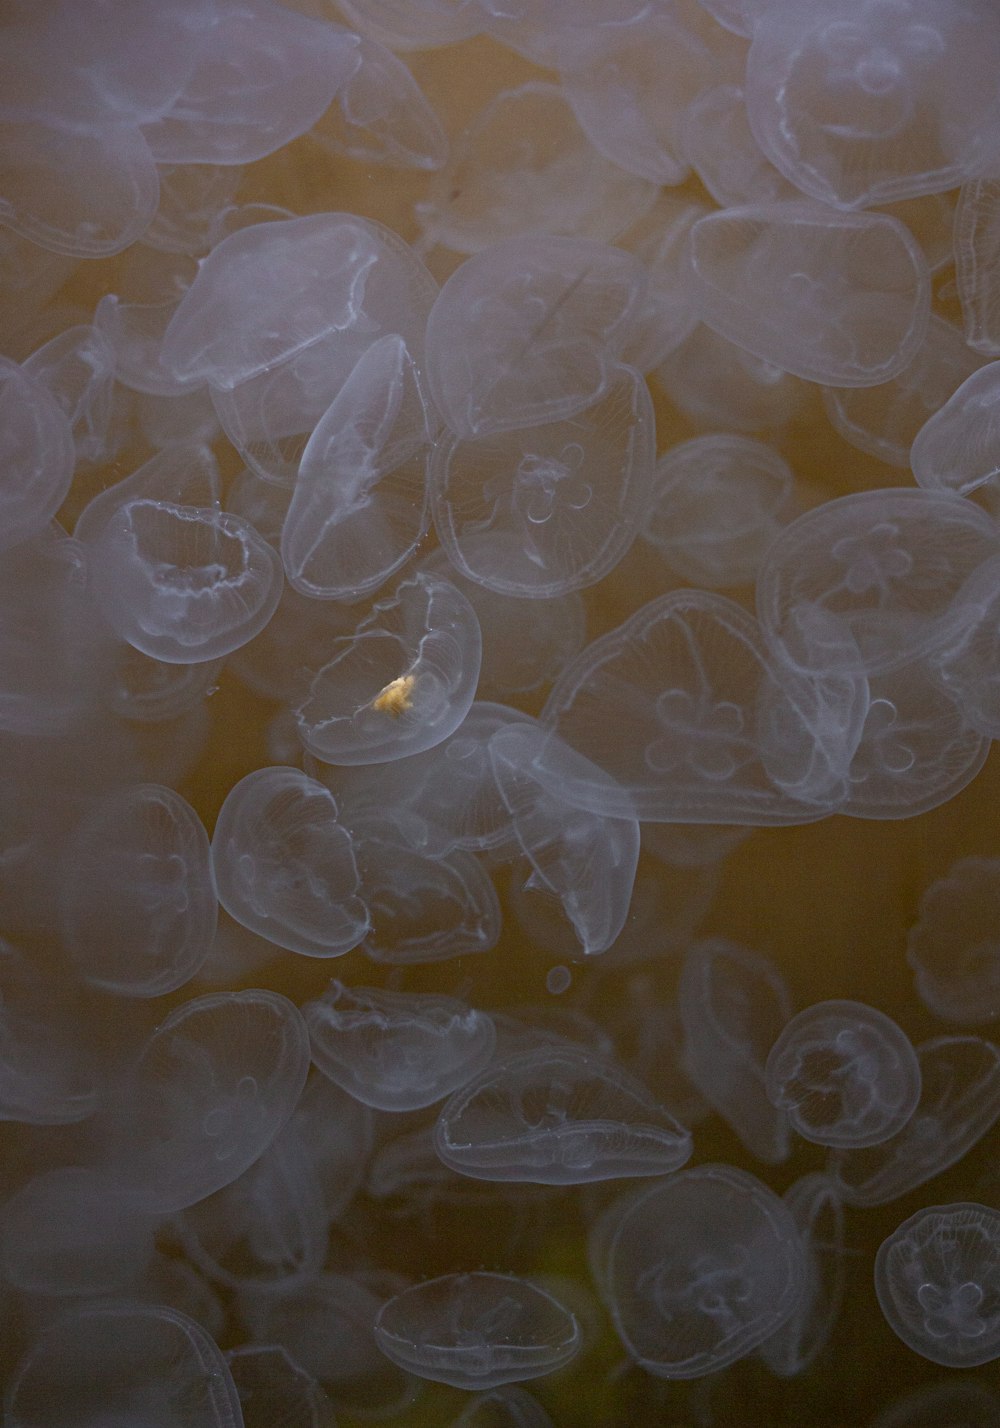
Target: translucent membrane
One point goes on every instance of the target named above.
(138, 901)
(477, 1330)
(107, 1362)
(359, 507)
(211, 1089)
(700, 1269)
(401, 683)
(840, 298)
(397, 1051)
(938, 1283)
(558, 1117)
(862, 104)
(285, 865)
(548, 509)
(845, 1074)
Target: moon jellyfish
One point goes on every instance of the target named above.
(818, 1212)
(544, 510)
(886, 563)
(701, 1269)
(137, 900)
(401, 683)
(837, 298)
(844, 1073)
(273, 1389)
(425, 905)
(958, 447)
(937, 1278)
(37, 454)
(718, 503)
(285, 865)
(584, 858)
(359, 507)
(268, 1230)
(733, 1005)
(672, 706)
(558, 1116)
(211, 1089)
(270, 417)
(97, 1239)
(183, 583)
(327, 1327)
(524, 332)
(397, 1051)
(308, 278)
(477, 1331)
(954, 946)
(959, 1102)
(859, 103)
(524, 166)
(48, 1071)
(976, 244)
(117, 1362)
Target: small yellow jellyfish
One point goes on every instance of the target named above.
(396, 697)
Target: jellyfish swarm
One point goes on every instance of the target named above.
(501, 495)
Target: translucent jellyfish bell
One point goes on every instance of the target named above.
(524, 165)
(845, 1074)
(116, 1362)
(212, 1088)
(308, 277)
(885, 420)
(397, 1051)
(37, 454)
(886, 563)
(384, 291)
(183, 583)
(954, 946)
(937, 1278)
(718, 503)
(958, 447)
(88, 191)
(558, 1116)
(264, 76)
(401, 683)
(733, 1004)
(959, 1102)
(671, 706)
(701, 1269)
(285, 865)
(862, 103)
(359, 507)
(838, 298)
(544, 510)
(477, 1331)
(274, 1389)
(976, 246)
(137, 899)
(523, 332)
(584, 857)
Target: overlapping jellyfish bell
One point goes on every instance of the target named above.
(544, 510)
(584, 856)
(524, 332)
(401, 683)
(860, 102)
(359, 506)
(477, 1330)
(285, 864)
(834, 297)
(677, 706)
